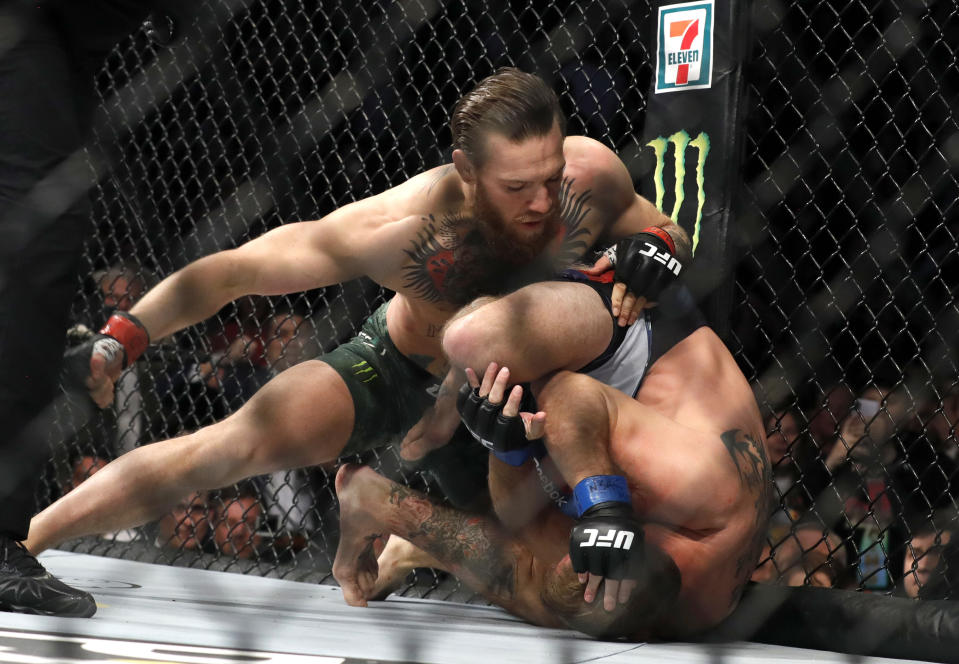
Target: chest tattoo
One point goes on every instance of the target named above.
(574, 208)
(433, 258)
(451, 262)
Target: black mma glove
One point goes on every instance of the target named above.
(123, 336)
(607, 539)
(646, 262)
(504, 436)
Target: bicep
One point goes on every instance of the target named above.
(351, 242)
(292, 258)
(624, 211)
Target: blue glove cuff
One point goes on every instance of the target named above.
(519, 457)
(514, 457)
(600, 489)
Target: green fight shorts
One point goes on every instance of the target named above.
(390, 394)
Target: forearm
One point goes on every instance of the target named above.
(190, 295)
(475, 549)
(577, 426)
(684, 248)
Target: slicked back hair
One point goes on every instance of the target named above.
(511, 103)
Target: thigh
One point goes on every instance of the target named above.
(389, 393)
(537, 329)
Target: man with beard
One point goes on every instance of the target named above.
(519, 202)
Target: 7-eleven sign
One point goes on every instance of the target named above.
(684, 52)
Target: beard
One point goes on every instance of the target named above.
(504, 239)
(495, 258)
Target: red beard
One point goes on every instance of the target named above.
(506, 243)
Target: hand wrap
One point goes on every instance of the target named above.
(646, 262)
(129, 332)
(504, 436)
(123, 336)
(607, 539)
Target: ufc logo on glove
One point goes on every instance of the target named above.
(663, 257)
(615, 539)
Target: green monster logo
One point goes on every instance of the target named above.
(681, 141)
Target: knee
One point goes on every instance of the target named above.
(459, 341)
(473, 338)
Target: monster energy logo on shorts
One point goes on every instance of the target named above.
(364, 371)
(681, 142)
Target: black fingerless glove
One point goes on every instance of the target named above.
(504, 436)
(607, 539)
(646, 262)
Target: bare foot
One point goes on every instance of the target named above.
(398, 559)
(359, 490)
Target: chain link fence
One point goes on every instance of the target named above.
(846, 313)
(844, 319)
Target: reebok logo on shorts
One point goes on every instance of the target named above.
(684, 48)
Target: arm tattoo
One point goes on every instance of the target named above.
(752, 465)
(465, 542)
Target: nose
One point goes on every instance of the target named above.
(542, 201)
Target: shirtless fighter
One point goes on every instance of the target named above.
(666, 456)
(518, 200)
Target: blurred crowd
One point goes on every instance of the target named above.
(866, 486)
(181, 385)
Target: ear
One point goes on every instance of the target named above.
(464, 167)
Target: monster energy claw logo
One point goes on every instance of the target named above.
(681, 141)
(364, 372)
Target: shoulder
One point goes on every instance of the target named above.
(593, 165)
(405, 208)
(588, 157)
(593, 170)
(425, 193)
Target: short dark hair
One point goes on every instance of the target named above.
(510, 102)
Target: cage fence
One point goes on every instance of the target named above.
(844, 317)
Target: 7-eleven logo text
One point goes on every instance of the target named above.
(686, 32)
(684, 52)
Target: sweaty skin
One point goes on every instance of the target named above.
(692, 448)
(422, 239)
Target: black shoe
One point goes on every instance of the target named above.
(26, 587)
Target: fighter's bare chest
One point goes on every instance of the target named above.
(450, 262)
